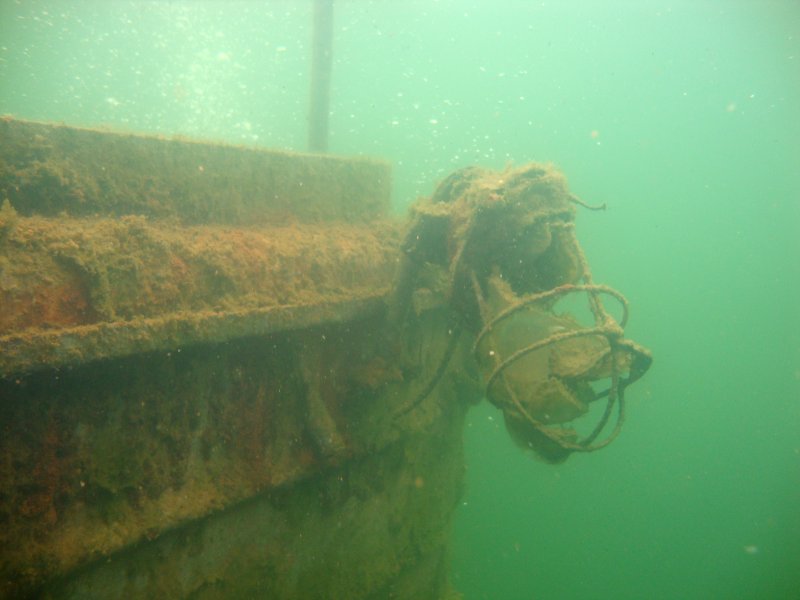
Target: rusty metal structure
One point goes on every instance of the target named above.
(228, 372)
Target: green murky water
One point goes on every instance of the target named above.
(683, 116)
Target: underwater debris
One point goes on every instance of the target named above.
(506, 242)
(211, 370)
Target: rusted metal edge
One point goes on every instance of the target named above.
(33, 350)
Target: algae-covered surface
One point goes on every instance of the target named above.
(116, 453)
(48, 169)
(93, 265)
(128, 279)
(70, 272)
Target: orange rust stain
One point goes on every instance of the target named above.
(62, 305)
(253, 421)
(49, 476)
(180, 269)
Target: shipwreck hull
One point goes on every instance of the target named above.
(197, 395)
(207, 473)
(229, 372)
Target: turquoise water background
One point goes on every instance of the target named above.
(683, 116)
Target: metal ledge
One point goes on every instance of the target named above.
(36, 349)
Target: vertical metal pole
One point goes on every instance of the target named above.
(321, 62)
